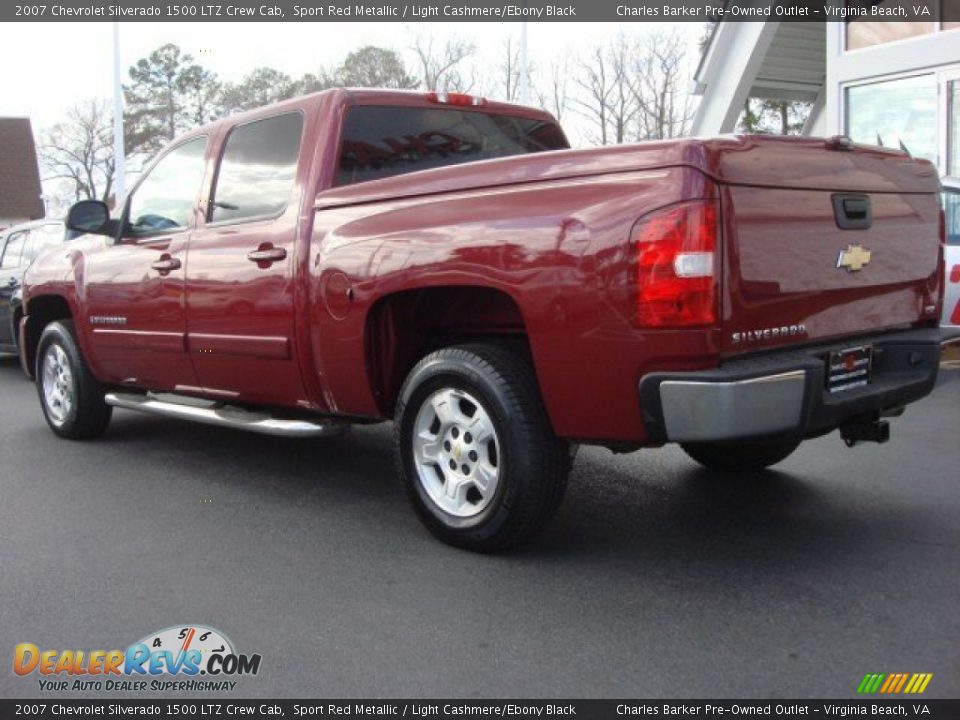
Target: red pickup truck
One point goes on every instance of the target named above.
(447, 262)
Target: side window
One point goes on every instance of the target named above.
(951, 210)
(164, 200)
(258, 169)
(46, 237)
(14, 250)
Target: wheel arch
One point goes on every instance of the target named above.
(42, 310)
(404, 326)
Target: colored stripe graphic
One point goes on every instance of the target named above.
(918, 683)
(903, 680)
(894, 683)
(870, 683)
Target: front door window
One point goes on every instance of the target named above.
(164, 201)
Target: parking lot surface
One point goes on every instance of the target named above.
(657, 578)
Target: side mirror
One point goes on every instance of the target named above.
(89, 216)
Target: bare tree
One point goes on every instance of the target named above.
(605, 94)
(441, 66)
(664, 107)
(624, 103)
(593, 81)
(509, 72)
(552, 88)
(79, 151)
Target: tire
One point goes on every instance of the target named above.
(740, 456)
(475, 449)
(71, 398)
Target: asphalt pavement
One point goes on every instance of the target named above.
(656, 579)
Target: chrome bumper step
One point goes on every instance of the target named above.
(216, 413)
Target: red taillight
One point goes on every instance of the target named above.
(677, 266)
(460, 99)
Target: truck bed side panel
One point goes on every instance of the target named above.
(560, 249)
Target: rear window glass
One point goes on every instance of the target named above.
(379, 142)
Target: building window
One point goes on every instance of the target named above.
(953, 127)
(867, 33)
(895, 113)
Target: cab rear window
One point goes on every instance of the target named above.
(379, 142)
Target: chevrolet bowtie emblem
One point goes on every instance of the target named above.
(853, 258)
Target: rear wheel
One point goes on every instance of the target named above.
(475, 449)
(71, 398)
(740, 456)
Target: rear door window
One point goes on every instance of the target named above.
(379, 142)
(258, 169)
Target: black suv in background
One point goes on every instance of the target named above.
(19, 245)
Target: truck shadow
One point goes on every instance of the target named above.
(693, 520)
(652, 512)
(684, 517)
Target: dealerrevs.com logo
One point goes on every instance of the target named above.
(181, 658)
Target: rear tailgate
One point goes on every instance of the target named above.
(822, 242)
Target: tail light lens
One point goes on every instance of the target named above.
(677, 266)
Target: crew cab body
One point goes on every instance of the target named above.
(302, 259)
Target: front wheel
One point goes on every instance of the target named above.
(475, 449)
(71, 397)
(740, 456)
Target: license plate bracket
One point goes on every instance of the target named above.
(849, 368)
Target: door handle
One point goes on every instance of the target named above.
(165, 264)
(266, 254)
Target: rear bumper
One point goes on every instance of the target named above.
(783, 393)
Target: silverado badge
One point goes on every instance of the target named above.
(853, 258)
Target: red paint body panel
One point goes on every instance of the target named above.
(546, 234)
(149, 348)
(780, 262)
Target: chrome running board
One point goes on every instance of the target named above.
(215, 413)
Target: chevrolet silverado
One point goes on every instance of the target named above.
(449, 263)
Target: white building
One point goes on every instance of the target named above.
(888, 82)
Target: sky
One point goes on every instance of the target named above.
(62, 64)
